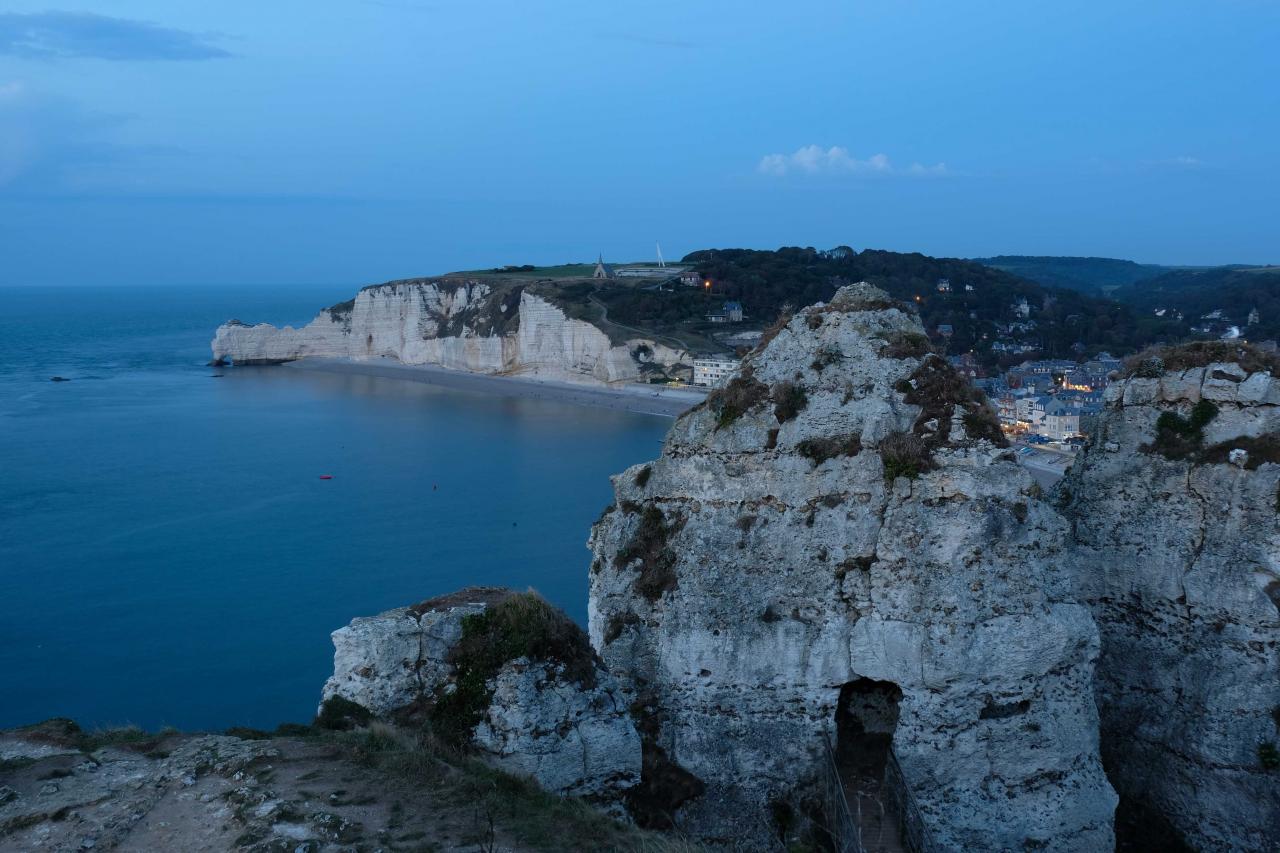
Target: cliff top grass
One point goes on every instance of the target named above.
(1153, 362)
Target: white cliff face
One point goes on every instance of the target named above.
(1181, 562)
(467, 326)
(574, 741)
(573, 738)
(756, 595)
(391, 661)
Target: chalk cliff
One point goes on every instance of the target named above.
(837, 545)
(503, 673)
(460, 324)
(1177, 545)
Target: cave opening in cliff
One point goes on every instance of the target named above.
(866, 717)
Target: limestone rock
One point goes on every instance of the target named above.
(574, 738)
(463, 325)
(761, 585)
(1180, 561)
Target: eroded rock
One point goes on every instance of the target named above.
(504, 673)
(1177, 546)
(761, 596)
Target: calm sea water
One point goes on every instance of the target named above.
(168, 554)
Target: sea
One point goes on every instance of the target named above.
(169, 554)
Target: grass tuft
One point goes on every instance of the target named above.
(904, 455)
(789, 399)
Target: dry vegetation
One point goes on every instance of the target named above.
(819, 450)
(741, 394)
(938, 389)
(905, 455)
(1154, 362)
(650, 544)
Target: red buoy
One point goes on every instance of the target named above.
(326, 476)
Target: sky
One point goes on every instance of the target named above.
(181, 142)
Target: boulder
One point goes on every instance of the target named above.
(502, 673)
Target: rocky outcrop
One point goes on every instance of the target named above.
(837, 545)
(502, 672)
(1177, 544)
(460, 324)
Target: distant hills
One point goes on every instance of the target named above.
(1088, 275)
(1200, 301)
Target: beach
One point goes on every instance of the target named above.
(640, 399)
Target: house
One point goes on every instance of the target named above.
(968, 288)
(690, 278)
(1254, 318)
(1061, 420)
(1022, 308)
(946, 330)
(731, 312)
(603, 270)
(713, 372)
(944, 285)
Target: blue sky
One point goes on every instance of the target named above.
(154, 141)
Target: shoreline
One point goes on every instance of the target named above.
(638, 399)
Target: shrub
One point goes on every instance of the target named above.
(906, 345)
(649, 545)
(642, 477)
(789, 399)
(904, 455)
(339, 714)
(819, 450)
(740, 395)
(522, 625)
(1178, 437)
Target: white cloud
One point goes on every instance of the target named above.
(836, 160)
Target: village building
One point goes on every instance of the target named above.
(731, 312)
(602, 270)
(713, 372)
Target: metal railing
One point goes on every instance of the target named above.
(911, 823)
(844, 823)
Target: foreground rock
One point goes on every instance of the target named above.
(1178, 547)
(308, 792)
(462, 324)
(502, 672)
(838, 546)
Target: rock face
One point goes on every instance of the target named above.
(764, 582)
(574, 736)
(1180, 559)
(462, 325)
